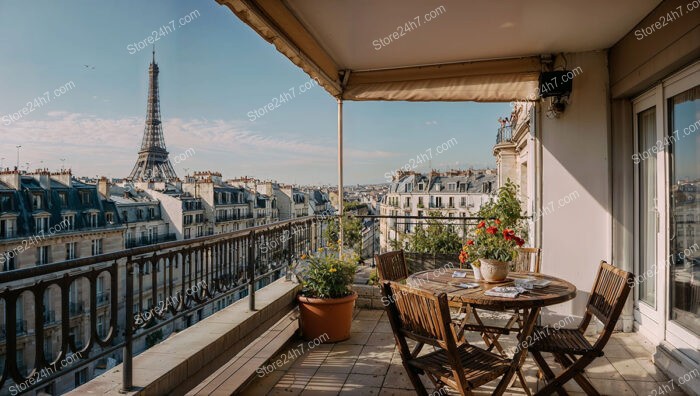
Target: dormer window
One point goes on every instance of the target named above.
(41, 224)
(421, 186)
(85, 197)
(109, 217)
(452, 186)
(7, 228)
(91, 220)
(6, 203)
(63, 198)
(37, 201)
(68, 222)
(152, 213)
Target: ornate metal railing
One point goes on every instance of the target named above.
(505, 134)
(146, 240)
(190, 273)
(398, 230)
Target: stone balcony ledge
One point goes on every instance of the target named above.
(180, 362)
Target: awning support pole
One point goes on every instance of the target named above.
(341, 199)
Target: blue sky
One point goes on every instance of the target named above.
(214, 70)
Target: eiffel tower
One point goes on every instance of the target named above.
(153, 163)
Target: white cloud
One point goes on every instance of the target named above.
(95, 145)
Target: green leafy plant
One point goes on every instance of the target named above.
(491, 240)
(435, 238)
(327, 276)
(373, 278)
(507, 208)
(504, 229)
(352, 233)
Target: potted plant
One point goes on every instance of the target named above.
(494, 246)
(326, 301)
(495, 240)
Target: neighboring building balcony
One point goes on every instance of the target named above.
(50, 317)
(234, 217)
(505, 134)
(20, 326)
(102, 299)
(190, 206)
(148, 240)
(8, 234)
(76, 308)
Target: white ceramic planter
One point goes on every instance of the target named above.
(477, 272)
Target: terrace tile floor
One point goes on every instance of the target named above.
(369, 364)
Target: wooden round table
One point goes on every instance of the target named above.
(441, 280)
(529, 303)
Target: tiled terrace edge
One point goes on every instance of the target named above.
(194, 353)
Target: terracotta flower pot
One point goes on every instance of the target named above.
(328, 319)
(494, 270)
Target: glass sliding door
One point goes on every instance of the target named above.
(647, 207)
(649, 201)
(684, 205)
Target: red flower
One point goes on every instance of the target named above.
(470, 242)
(481, 224)
(463, 257)
(498, 222)
(491, 230)
(519, 241)
(508, 234)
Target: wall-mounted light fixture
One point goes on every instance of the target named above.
(556, 85)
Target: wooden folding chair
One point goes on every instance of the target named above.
(391, 266)
(529, 260)
(425, 318)
(570, 347)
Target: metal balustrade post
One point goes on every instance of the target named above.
(127, 374)
(251, 271)
(290, 245)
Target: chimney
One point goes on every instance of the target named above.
(43, 177)
(64, 177)
(10, 177)
(103, 187)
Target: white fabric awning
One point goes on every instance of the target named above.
(502, 80)
(477, 50)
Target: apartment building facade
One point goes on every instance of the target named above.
(457, 194)
(49, 217)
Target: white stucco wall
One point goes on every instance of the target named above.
(576, 208)
(171, 211)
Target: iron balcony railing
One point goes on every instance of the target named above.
(75, 308)
(505, 134)
(230, 217)
(148, 240)
(102, 298)
(20, 328)
(194, 272)
(50, 317)
(402, 226)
